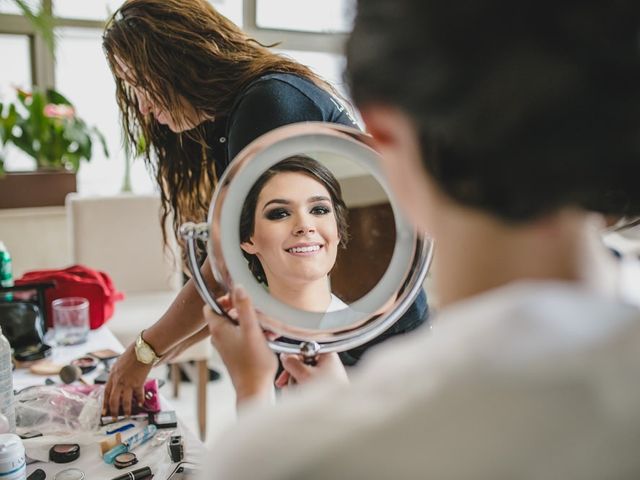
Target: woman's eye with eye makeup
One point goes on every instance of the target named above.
(320, 210)
(277, 214)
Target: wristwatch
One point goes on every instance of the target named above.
(145, 352)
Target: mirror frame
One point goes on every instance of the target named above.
(403, 278)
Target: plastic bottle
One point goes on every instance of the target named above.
(6, 270)
(7, 407)
(4, 424)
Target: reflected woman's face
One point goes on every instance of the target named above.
(295, 233)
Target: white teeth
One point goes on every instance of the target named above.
(313, 248)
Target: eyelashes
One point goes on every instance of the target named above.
(320, 210)
(283, 212)
(276, 214)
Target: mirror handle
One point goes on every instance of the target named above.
(191, 232)
(310, 351)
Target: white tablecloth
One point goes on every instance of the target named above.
(90, 461)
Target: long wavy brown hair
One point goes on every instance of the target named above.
(181, 51)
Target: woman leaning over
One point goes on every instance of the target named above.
(198, 90)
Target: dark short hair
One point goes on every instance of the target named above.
(300, 164)
(521, 107)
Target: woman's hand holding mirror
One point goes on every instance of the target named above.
(252, 365)
(327, 365)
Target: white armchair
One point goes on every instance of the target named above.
(121, 235)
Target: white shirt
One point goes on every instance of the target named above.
(329, 321)
(336, 304)
(531, 381)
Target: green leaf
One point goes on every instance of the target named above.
(102, 140)
(22, 97)
(74, 161)
(57, 98)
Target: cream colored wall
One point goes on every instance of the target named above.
(37, 238)
(362, 191)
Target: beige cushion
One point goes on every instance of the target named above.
(143, 309)
(121, 235)
(137, 312)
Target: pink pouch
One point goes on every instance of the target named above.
(151, 398)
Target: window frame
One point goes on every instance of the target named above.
(43, 62)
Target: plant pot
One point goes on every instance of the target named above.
(42, 188)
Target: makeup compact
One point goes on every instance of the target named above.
(166, 419)
(64, 452)
(32, 353)
(125, 460)
(104, 354)
(86, 364)
(70, 474)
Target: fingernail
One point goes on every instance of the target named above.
(240, 292)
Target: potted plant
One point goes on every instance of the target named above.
(44, 125)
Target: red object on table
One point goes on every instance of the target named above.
(78, 281)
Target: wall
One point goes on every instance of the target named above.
(37, 238)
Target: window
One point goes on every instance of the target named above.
(83, 76)
(328, 65)
(232, 9)
(306, 29)
(11, 8)
(15, 51)
(305, 16)
(86, 10)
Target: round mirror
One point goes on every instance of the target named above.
(304, 220)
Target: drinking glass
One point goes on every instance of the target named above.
(70, 320)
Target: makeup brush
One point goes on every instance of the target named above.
(71, 373)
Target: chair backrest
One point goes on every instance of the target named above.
(121, 235)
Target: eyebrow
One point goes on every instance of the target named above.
(282, 201)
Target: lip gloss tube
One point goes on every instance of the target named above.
(138, 474)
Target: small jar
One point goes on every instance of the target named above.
(13, 465)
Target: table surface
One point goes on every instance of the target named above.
(90, 461)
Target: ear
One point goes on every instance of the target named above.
(396, 138)
(389, 126)
(249, 247)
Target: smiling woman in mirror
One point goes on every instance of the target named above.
(293, 222)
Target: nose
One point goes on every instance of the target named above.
(304, 228)
(144, 105)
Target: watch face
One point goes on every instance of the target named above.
(144, 354)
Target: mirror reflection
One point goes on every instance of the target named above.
(317, 231)
(293, 222)
(302, 219)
